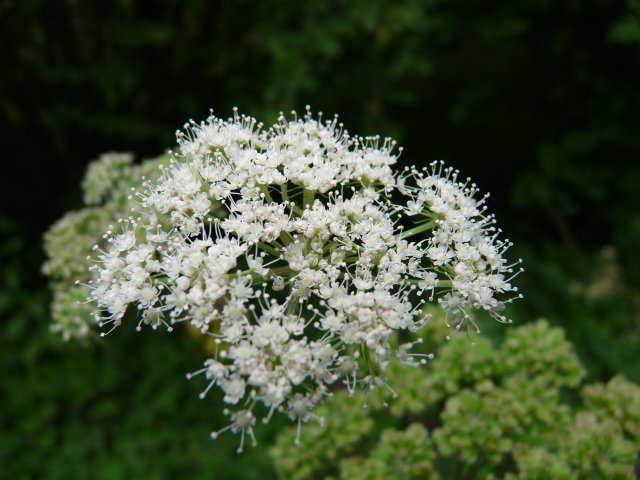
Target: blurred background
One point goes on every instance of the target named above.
(537, 100)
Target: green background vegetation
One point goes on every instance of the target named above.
(536, 100)
(483, 412)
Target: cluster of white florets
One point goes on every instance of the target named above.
(302, 252)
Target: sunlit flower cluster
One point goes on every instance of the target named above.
(302, 252)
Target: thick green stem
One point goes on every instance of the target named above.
(284, 192)
(285, 238)
(307, 197)
(265, 189)
(269, 249)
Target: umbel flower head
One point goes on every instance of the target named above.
(106, 186)
(302, 252)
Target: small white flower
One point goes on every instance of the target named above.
(298, 249)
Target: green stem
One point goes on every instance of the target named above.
(440, 284)
(265, 189)
(419, 229)
(293, 303)
(307, 197)
(282, 271)
(284, 192)
(286, 238)
(269, 249)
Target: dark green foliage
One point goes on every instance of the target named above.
(511, 421)
(115, 408)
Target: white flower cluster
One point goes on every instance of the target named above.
(302, 252)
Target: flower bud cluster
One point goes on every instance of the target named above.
(509, 420)
(301, 251)
(106, 188)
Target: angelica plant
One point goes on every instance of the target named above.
(302, 252)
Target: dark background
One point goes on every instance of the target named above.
(537, 100)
